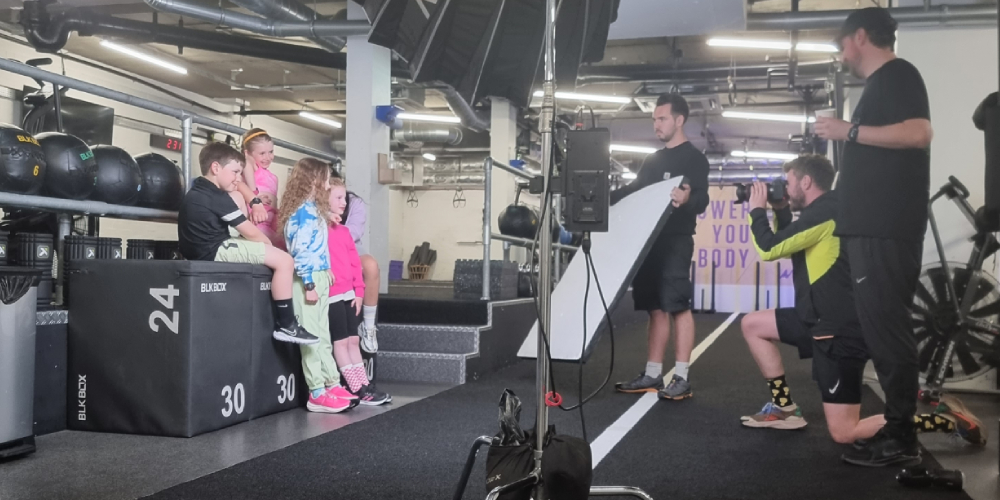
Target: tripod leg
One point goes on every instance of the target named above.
(529, 480)
(471, 461)
(619, 491)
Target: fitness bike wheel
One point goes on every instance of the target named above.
(935, 321)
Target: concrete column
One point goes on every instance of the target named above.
(503, 148)
(368, 85)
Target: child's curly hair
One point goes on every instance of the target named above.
(306, 182)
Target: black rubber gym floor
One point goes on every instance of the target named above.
(689, 449)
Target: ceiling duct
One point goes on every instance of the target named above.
(267, 27)
(449, 136)
(50, 33)
(825, 19)
(291, 10)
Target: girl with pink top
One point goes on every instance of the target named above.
(259, 150)
(346, 296)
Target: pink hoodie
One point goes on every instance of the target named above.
(345, 262)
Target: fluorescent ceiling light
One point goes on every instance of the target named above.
(764, 155)
(631, 149)
(628, 175)
(771, 44)
(320, 119)
(429, 157)
(588, 97)
(139, 55)
(429, 118)
(774, 117)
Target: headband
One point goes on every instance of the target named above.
(251, 136)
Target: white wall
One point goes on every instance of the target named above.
(959, 67)
(137, 142)
(455, 232)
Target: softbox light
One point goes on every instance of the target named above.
(486, 48)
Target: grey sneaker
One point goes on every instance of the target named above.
(642, 383)
(677, 389)
(369, 340)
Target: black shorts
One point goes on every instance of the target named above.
(838, 368)
(343, 320)
(793, 331)
(664, 279)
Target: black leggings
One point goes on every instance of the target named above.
(343, 320)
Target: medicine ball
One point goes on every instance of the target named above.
(119, 179)
(519, 221)
(162, 182)
(22, 161)
(71, 170)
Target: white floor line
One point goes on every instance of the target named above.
(613, 434)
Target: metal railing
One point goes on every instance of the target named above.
(489, 235)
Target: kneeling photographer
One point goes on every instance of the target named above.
(823, 325)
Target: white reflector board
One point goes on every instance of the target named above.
(617, 255)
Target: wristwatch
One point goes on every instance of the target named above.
(310, 287)
(255, 201)
(852, 135)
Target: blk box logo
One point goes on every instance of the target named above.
(91, 253)
(43, 252)
(3, 250)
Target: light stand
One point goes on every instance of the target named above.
(545, 283)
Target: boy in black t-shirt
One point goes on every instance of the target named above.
(210, 209)
(884, 189)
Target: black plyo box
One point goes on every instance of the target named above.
(159, 347)
(276, 367)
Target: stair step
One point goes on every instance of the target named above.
(444, 339)
(421, 367)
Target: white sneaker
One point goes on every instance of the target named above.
(369, 340)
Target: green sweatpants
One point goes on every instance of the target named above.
(318, 366)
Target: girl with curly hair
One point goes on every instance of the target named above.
(303, 218)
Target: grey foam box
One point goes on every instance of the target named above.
(159, 347)
(469, 279)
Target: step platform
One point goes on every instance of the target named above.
(174, 348)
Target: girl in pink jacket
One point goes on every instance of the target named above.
(346, 295)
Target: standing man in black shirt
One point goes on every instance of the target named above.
(884, 187)
(662, 286)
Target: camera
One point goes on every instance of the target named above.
(776, 191)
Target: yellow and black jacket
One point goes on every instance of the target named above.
(820, 272)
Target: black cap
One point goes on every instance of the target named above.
(876, 21)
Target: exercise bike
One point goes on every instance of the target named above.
(956, 309)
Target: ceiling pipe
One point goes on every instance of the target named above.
(450, 136)
(641, 72)
(470, 117)
(267, 27)
(291, 10)
(825, 19)
(50, 33)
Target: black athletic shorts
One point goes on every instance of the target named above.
(793, 331)
(343, 320)
(664, 279)
(838, 368)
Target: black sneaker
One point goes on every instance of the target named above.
(882, 450)
(369, 396)
(642, 383)
(295, 334)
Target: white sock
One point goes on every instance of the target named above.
(681, 370)
(654, 369)
(369, 316)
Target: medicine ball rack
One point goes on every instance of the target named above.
(67, 208)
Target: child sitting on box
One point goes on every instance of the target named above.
(209, 211)
(346, 296)
(303, 218)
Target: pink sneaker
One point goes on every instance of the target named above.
(338, 391)
(327, 403)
